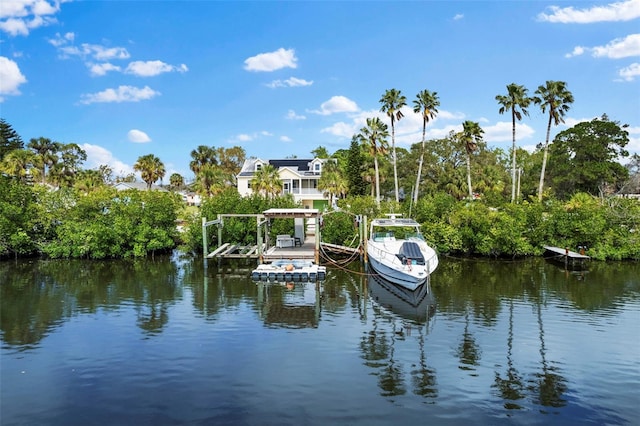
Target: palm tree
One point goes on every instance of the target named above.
(554, 96)
(46, 153)
(18, 163)
(332, 182)
(392, 102)
(427, 104)
(516, 98)
(151, 169)
(375, 135)
(176, 180)
(201, 156)
(267, 181)
(471, 135)
(211, 180)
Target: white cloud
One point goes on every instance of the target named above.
(244, 137)
(631, 72)
(97, 156)
(619, 48)
(619, 11)
(66, 48)
(335, 105)
(272, 61)
(502, 132)
(121, 94)
(458, 16)
(152, 68)
(10, 78)
(138, 136)
(341, 129)
(290, 82)
(102, 69)
(61, 40)
(577, 51)
(291, 115)
(285, 139)
(19, 17)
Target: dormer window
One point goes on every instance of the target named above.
(317, 168)
(258, 167)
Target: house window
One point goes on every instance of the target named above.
(317, 168)
(258, 167)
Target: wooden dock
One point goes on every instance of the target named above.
(568, 257)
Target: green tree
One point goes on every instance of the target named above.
(392, 102)
(471, 135)
(557, 99)
(584, 158)
(230, 161)
(355, 165)
(374, 135)
(320, 152)
(151, 169)
(9, 139)
(426, 104)
(516, 101)
(88, 180)
(65, 169)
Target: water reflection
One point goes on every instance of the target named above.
(406, 312)
(506, 335)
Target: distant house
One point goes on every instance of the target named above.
(140, 186)
(299, 177)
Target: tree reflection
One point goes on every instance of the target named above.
(511, 388)
(548, 385)
(423, 378)
(468, 351)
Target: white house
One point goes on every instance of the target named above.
(299, 177)
(140, 186)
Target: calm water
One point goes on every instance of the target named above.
(170, 342)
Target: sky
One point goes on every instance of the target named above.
(124, 79)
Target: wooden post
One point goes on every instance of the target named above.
(259, 239)
(205, 248)
(220, 225)
(318, 238)
(365, 230)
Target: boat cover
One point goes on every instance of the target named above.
(411, 250)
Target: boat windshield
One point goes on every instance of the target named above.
(396, 233)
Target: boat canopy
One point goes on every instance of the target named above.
(410, 252)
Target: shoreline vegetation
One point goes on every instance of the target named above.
(106, 223)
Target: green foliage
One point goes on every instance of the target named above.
(17, 218)
(108, 224)
(340, 228)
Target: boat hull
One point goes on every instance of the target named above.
(405, 279)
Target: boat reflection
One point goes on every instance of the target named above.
(417, 305)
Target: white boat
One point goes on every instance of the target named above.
(397, 251)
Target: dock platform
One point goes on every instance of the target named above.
(566, 256)
(290, 270)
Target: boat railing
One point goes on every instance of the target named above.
(389, 256)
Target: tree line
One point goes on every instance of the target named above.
(583, 159)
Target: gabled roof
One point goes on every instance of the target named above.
(300, 165)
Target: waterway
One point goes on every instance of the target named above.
(175, 341)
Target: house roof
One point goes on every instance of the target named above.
(299, 165)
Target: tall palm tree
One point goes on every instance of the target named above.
(332, 182)
(470, 136)
(211, 180)
(374, 135)
(555, 97)
(176, 180)
(426, 103)
(392, 102)
(515, 98)
(151, 169)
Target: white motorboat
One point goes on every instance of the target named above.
(398, 252)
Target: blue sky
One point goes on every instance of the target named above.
(129, 78)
